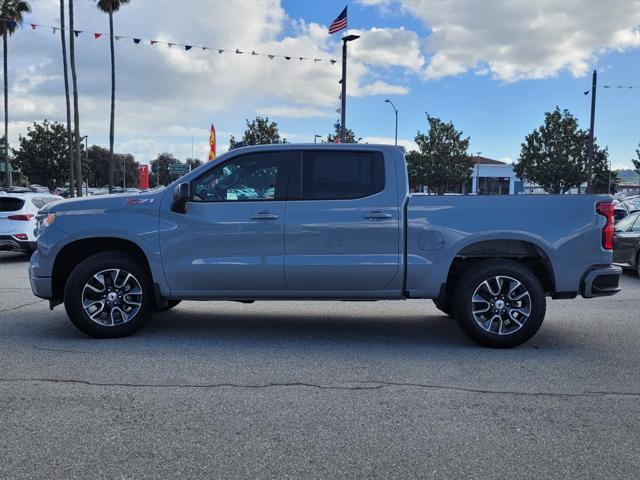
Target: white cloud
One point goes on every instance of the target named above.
(289, 111)
(380, 88)
(407, 144)
(523, 40)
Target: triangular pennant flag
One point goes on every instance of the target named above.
(53, 29)
(271, 57)
(187, 47)
(205, 48)
(220, 50)
(317, 59)
(170, 45)
(253, 52)
(97, 35)
(136, 40)
(77, 33)
(338, 110)
(153, 42)
(288, 58)
(117, 37)
(238, 52)
(33, 26)
(332, 61)
(302, 58)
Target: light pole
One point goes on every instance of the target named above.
(590, 144)
(478, 173)
(316, 137)
(396, 112)
(343, 109)
(86, 152)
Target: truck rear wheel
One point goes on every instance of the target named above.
(109, 295)
(499, 303)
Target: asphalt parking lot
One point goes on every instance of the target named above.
(317, 390)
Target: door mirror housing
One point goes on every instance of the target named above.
(181, 195)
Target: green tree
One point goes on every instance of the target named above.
(63, 42)
(99, 159)
(553, 156)
(442, 160)
(76, 111)
(636, 161)
(193, 162)
(130, 173)
(110, 7)
(604, 180)
(259, 132)
(11, 13)
(43, 154)
(349, 136)
(160, 169)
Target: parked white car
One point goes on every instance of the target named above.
(18, 219)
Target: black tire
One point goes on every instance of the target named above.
(472, 282)
(638, 264)
(170, 304)
(78, 281)
(444, 306)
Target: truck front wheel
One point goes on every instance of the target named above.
(109, 295)
(499, 303)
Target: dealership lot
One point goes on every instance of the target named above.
(317, 390)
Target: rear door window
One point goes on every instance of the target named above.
(11, 204)
(39, 202)
(341, 175)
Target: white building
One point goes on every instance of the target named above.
(493, 177)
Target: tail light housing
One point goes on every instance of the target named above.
(21, 236)
(606, 210)
(24, 217)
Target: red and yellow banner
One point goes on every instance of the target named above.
(212, 143)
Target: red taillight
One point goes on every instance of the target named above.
(606, 209)
(25, 217)
(21, 236)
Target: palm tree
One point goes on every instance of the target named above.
(109, 7)
(66, 92)
(76, 112)
(11, 12)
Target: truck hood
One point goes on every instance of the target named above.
(105, 202)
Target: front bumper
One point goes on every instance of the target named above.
(40, 286)
(9, 243)
(601, 282)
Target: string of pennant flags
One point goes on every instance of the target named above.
(138, 41)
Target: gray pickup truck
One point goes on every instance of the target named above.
(316, 222)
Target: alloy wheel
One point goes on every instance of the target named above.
(112, 297)
(501, 305)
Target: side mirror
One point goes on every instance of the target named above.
(181, 195)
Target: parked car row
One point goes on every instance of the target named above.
(625, 205)
(626, 242)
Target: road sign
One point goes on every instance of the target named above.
(178, 169)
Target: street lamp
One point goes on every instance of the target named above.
(315, 138)
(343, 109)
(396, 112)
(478, 173)
(86, 152)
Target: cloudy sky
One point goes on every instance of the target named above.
(492, 68)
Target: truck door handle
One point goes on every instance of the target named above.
(264, 216)
(377, 215)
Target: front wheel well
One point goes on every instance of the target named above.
(526, 253)
(75, 252)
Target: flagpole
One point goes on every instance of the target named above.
(343, 112)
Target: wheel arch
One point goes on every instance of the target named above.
(74, 252)
(525, 251)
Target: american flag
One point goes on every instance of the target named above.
(339, 23)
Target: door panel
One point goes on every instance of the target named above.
(342, 244)
(225, 246)
(232, 236)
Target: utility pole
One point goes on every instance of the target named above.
(343, 109)
(590, 144)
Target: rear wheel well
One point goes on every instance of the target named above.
(77, 251)
(527, 253)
